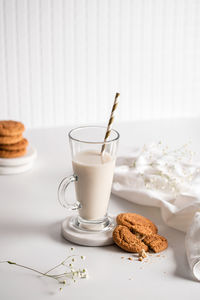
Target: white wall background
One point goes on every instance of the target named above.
(61, 61)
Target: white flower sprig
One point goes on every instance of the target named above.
(169, 171)
(66, 276)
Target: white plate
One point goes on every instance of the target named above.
(15, 170)
(19, 161)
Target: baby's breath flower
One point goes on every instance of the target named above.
(167, 172)
(83, 273)
(62, 276)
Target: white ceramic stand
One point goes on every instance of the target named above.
(82, 237)
(15, 170)
(30, 155)
(9, 166)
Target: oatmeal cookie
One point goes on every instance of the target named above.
(10, 139)
(12, 153)
(135, 233)
(17, 146)
(126, 240)
(11, 128)
(156, 242)
(130, 219)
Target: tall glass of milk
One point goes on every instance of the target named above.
(93, 174)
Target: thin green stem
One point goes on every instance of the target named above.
(60, 264)
(57, 277)
(53, 269)
(31, 269)
(64, 274)
(18, 265)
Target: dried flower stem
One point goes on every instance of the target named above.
(60, 264)
(68, 274)
(25, 267)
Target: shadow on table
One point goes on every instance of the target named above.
(176, 246)
(176, 240)
(32, 229)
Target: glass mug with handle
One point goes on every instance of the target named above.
(93, 175)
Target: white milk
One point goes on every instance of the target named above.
(95, 175)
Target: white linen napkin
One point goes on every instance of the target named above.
(156, 176)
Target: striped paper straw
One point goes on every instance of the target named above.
(110, 121)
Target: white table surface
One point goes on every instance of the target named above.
(30, 218)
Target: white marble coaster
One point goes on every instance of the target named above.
(19, 161)
(5, 170)
(80, 237)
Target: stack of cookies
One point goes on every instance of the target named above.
(135, 233)
(12, 142)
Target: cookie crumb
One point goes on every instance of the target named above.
(143, 253)
(130, 258)
(122, 257)
(140, 258)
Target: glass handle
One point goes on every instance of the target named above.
(61, 193)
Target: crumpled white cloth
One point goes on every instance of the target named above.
(156, 176)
